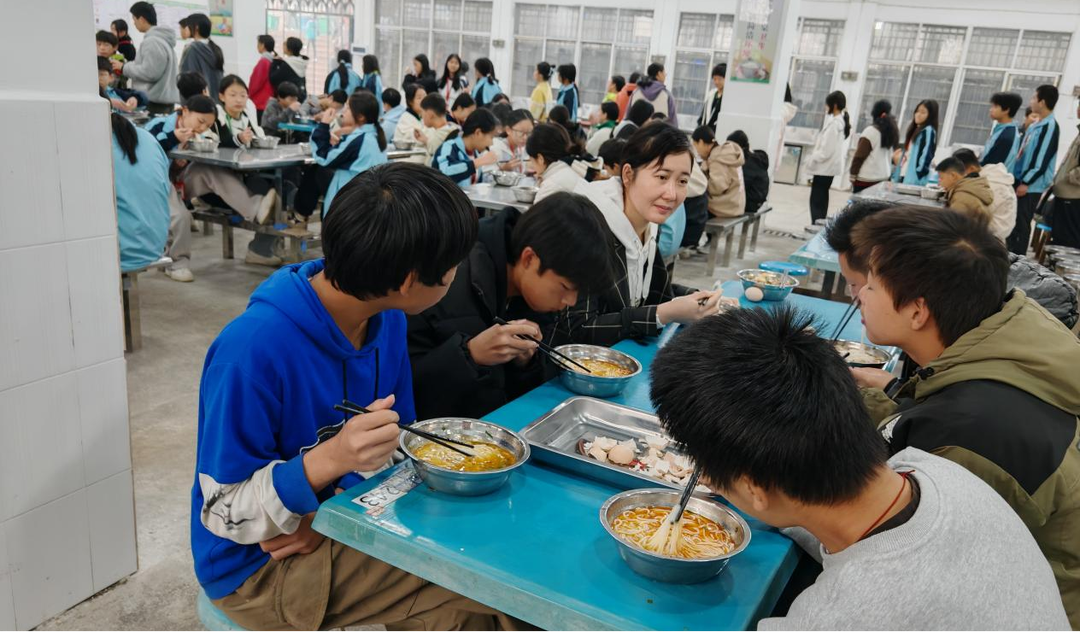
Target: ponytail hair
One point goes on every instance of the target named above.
(882, 119)
(837, 101)
(343, 57)
(544, 69)
(486, 69)
(293, 46)
(126, 136)
(551, 142)
(561, 116)
(363, 103)
(201, 23)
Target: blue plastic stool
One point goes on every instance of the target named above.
(212, 617)
(780, 267)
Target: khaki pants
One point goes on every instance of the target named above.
(200, 179)
(337, 586)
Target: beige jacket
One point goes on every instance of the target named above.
(1003, 208)
(727, 195)
(1067, 180)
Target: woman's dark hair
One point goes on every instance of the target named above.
(610, 109)
(640, 112)
(410, 95)
(394, 220)
(837, 101)
(108, 38)
(201, 104)
(739, 138)
(635, 77)
(882, 118)
(229, 81)
(126, 136)
(200, 22)
(559, 114)
(481, 120)
(343, 57)
(120, 25)
(463, 100)
(425, 66)
(453, 79)
(544, 69)
(370, 64)
(551, 142)
(654, 143)
(190, 84)
(144, 10)
(568, 72)
(339, 96)
(931, 119)
(719, 70)
(293, 45)
(651, 72)
(391, 97)
(620, 83)
(486, 69)
(751, 388)
(501, 111)
(267, 42)
(563, 231)
(363, 103)
(501, 98)
(517, 116)
(611, 152)
(287, 89)
(658, 116)
(1009, 101)
(433, 102)
(704, 134)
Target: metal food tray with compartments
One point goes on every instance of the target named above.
(554, 439)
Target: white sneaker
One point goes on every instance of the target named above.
(266, 208)
(182, 275)
(256, 259)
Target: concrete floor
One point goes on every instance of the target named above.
(179, 322)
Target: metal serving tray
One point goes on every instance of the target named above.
(555, 435)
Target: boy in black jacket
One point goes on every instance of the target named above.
(523, 266)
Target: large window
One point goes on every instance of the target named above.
(959, 67)
(813, 65)
(406, 28)
(704, 40)
(600, 41)
(325, 27)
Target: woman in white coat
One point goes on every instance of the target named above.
(827, 157)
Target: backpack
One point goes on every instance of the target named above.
(756, 179)
(281, 71)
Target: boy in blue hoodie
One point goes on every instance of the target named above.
(270, 446)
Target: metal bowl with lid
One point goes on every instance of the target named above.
(470, 430)
(583, 383)
(666, 568)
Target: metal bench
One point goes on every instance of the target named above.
(299, 239)
(129, 292)
(753, 222)
(716, 228)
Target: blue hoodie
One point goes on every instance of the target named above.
(268, 387)
(1038, 155)
(372, 82)
(485, 91)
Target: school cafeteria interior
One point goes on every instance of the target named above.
(576, 314)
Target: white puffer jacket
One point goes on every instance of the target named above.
(827, 156)
(1003, 208)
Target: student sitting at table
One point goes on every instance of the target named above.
(141, 181)
(432, 134)
(604, 130)
(270, 445)
(555, 160)
(636, 118)
(393, 108)
(510, 147)
(343, 77)
(461, 108)
(755, 172)
(487, 86)
(189, 84)
(120, 99)
(610, 154)
(412, 118)
(559, 115)
(969, 194)
(233, 128)
(358, 145)
(465, 150)
(523, 267)
(284, 108)
(651, 184)
(911, 542)
(107, 45)
(997, 391)
(174, 132)
(722, 165)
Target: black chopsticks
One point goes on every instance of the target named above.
(846, 318)
(349, 407)
(559, 357)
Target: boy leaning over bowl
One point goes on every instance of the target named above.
(771, 414)
(522, 268)
(271, 447)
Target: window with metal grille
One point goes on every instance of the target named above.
(813, 65)
(437, 28)
(704, 40)
(325, 27)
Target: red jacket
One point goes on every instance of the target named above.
(259, 88)
(623, 98)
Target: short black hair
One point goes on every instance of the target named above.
(144, 10)
(433, 102)
(967, 158)
(564, 229)
(391, 97)
(756, 393)
(945, 257)
(517, 116)
(654, 69)
(719, 70)
(568, 72)
(201, 103)
(703, 134)
(619, 81)
(740, 138)
(267, 41)
(1048, 94)
(950, 164)
(640, 112)
(190, 84)
(635, 77)
(502, 112)
(611, 152)
(108, 38)
(339, 96)
(610, 110)
(1007, 101)
(287, 89)
(481, 120)
(550, 141)
(391, 221)
(838, 230)
(463, 100)
(103, 64)
(120, 25)
(658, 116)
(654, 143)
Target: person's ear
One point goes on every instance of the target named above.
(920, 316)
(529, 258)
(627, 174)
(757, 495)
(410, 285)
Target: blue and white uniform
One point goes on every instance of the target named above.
(352, 82)
(914, 167)
(1002, 146)
(373, 84)
(1035, 164)
(568, 96)
(485, 91)
(142, 201)
(355, 153)
(455, 162)
(163, 128)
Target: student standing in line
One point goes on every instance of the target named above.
(360, 143)
(259, 88)
(710, 111)
(1067, 196)
(604, 129)
(141, 181)
(465, 150)
(453, 80)
(913, 158)
(154, 70)
(119, 28)
(568, 96)
(1004, 141)
(1030, 118)
(652, 89)
(826, 160)
(107, 47)
(292, 67)
(343, 77)
(372, 80)
(723, 166)
(203, 55)
(393, 108)
(870, 164)
(623, 99)
(435, 127)
(614, 86)
(750, 388)
(487, 86)
(541, 101)
(1034, 169)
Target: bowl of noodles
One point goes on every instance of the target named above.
(498, 452)
(696, 550)
(611, 370)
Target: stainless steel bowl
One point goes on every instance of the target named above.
(932, 193)
(465, 483)
(205, 145)
(265, 142)
(768, 282)
(673, 569)
(507, 178)
(404, 145)
(525, 195)
(305, 148)
(880, 355)
(593, 385)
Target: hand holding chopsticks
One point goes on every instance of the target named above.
(461, 447)
(550, 351)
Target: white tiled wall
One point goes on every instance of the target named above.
(67, 520)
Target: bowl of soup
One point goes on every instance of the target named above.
(858, 354)
(609, 371)
(497, 453)
(696, 549)
(772, 285)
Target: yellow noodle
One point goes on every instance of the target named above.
(603, 368)
(697, 536)
(488, 457)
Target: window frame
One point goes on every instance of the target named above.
(797, 56)
(330, 9)
(716, 56)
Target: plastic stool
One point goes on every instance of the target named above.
(211, 616)
(780, 267)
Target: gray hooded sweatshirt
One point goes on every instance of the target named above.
(154, 68)
(199, 57)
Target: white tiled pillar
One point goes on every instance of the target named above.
(67, 523)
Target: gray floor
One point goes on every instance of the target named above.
(179, 322)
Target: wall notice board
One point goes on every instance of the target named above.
(169, 12)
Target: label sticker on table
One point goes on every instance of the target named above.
(401, 482)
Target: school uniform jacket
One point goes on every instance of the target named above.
(919, 155)
(569, 98)
(1002, 146)
(1035, 165)
(485, 91)
(352, 81)
(163, 129)
(355, 153)
(372, 82)
(455, 162)
(710, 110)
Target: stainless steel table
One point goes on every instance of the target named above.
(494, 197)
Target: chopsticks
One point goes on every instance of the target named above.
(845, 319)
(548, 349)
(677, 512)
(348, 407)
